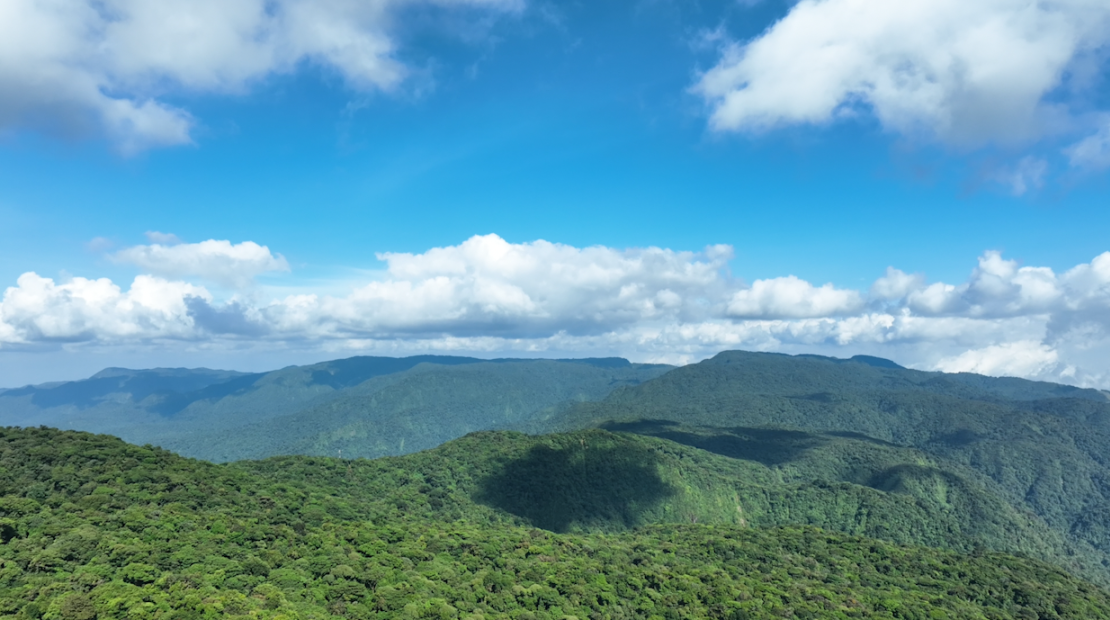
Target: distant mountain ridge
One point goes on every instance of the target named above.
(140, 384)
(195, 411)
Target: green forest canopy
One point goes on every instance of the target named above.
(93, 527)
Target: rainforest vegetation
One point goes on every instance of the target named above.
(91, 527)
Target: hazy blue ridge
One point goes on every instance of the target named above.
(421, 408)
(223, 415)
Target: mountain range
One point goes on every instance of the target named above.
(743, 441)
(365, 406)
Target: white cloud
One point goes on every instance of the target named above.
(487, 285)
(964, 73)
(896, 284)
(216, 261)
(39, 309)
(489, 296)
(791, 297)
(997, 287)
(73, 65)
(1024, 358)
(1089, 283)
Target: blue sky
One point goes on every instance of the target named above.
(621, 127)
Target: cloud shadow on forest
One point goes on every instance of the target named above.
(769, 446)
(608, 488)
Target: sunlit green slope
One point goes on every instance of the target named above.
(1044, 445)
(599, 481)
(92, 527)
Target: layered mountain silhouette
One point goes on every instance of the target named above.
(364, 406)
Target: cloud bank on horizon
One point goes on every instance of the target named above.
(648, 304)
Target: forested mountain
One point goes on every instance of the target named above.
(862, 446)
(1045, 446)
(93, 527)
(366, 406)
(424, 407)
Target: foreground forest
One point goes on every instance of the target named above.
(93, 527)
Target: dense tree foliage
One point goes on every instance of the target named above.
(92, 527)
(1043, 445)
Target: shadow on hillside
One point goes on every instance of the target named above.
(924, 482)
(176, 402)
(769, 446)
(862, 437)
(597, 488)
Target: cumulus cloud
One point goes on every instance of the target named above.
(963, 73)
(540, 298)
(1024, 358)
(39, 309)
(896, 284)
(791, 297)
(487, 285)
(216, 261)
(72, 65)
(997, 287)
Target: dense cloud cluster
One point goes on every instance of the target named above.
(73, 65)
(1001, 72)
(487, 294)
(39, 309)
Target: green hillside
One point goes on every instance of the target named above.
(598, 481)
(1043, 445)
(421, 408)
(92, 527)
(366, 406)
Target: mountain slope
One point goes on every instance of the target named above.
(91, 527)
(28, 406)
(1044, 445)
(597, 481)
(219, 415)
(421, 408)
